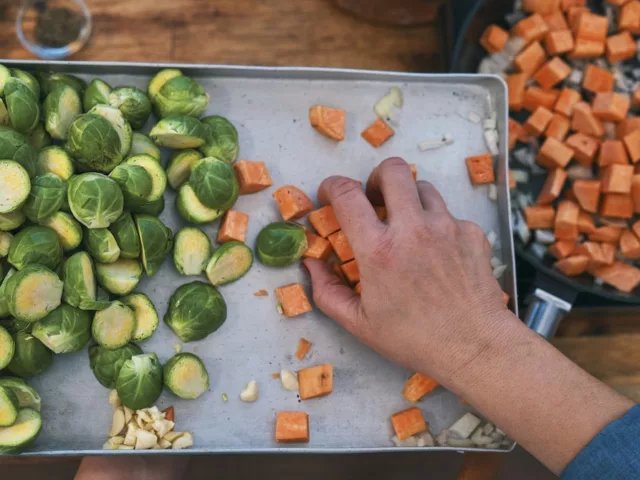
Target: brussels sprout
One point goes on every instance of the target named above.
(56, 160)
(179, 132)
(68, 230)
(50, 80)
(147, 319)
(186, 376)
(221, 140)
(281, 243)
(4, 114)
(94, 143)
(142, 145)
(97, 93)
(31, 356)
(22, 105)
(80, 282)
(180, 165)
(119, 123)
(113, 327)
(229, 262)
(155, 84)
(106, 363)
(4, 304)
(126, 234)
(7, 348)
(66, 329)
(214, 183)
(156, 241)
(101, 245)
(5, 74)
(11, 221)
(14, 186)
(139, 382)
(39, 138)
(45, 198)
(21, 433)
(196, 309)
(15, 146)
(5, 243)
(134, 181)
(119, 277)
(155, 171)
(191, 251)
(29, 80)
(133, 103)
(192, 210)
(61, 107)
(33, 292)
(8, 407)
(154, 208)
(35, 245)
(25, 393)
(177, 95)
(95, 200)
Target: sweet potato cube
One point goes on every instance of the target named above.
(607, 234)
(293, 300)
(538, 121)
(324, 221)
(292, 427)
(292, 202)
(567, 5)
(629, 17)
(609, 251)
(586, 223)
(494, 38)
(617, 178)
(597, 79)
(252, 176)
(584, 147)
(558, 42)
(616, 205)
(566, 100)
(515, 131)
(341, 246)
(584, 121)
(543, 7)
(572, 266)
(573, 14)
(593, 251)
(627, 126)
(635, 192)
(554, 154)
(381, 212)
(304, 346)
(558, 127)
(377, 133)
(515, 89)
(552, 73)
(552, 186)
(620, 47)
(417, 386)
(351, 271)
(539, 216)
(328, 121)
(592, 27)
(317, 247)
(620, 275)
(630, 245)
(556, 21)
(612, 152)
(585, 48)
(233, 227)
(315, 381)
(480, 169)
(632, 144)
(588, 194)
(617, 3)
(610, 106)
(530, 59)
(566, 221)
(408, 422)
(535, 97)
(562, 248)
(531, 28)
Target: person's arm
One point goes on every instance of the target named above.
(429, 302)
(110, 467)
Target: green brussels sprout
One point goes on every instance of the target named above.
(7, 348)
(101, 245)
(119, 277)
(96, 93)
(281, 243)
(139, 382)
(5, 243)
(156, 241)
(29, 80)
(106, 363)
(155, 171)
(186, 376)
(15, 186)
(22, 105)
(191, 251)
(55, 159)
(5, 74)
(180, 165)
(154, 208)
(66, 329)
(35, 245)
(126, 234)
(80, 283)
(21, 433)
(133, 103)
(134, 181)
(4, 114)
(15, 146)
(31, 356)
(155, 84)
(229, 262)
(25, 393)
(32, 293)
(94, 143)
(4, 304)
(39, 138)
(113, 327)
(8, 407)
(95, 200)
(50, 80)
(178, 95)
(192, 210)
(196, 310)
(67, 228)
(61, 107)
(147, 319)
(143, 145)
(179, 132)
(214, 183)
(45, 198)
(12, 220)
(221, 140)
(119, 123)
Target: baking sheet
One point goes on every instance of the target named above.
(269, 107)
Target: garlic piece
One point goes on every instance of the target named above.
(128, 414)
(145, 440)
(250, 392)
(185, 441)
(130, 437)
(164, 443)
(114, 399)
(289, 380)
(117, 423)
(173, 436)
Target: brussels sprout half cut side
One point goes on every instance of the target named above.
(214, 183)
(186, 376)
(192, 210)
(126, 234)
(12, 220)
(135, 182)
(15, 186)
(8, 407)
(191, 251)
(22, 432)
(80, 283)
(35, 245)
(156, 241)
(31, 357)
(281, 243)
(142, 145)
(159, 79)
(139, 382)
(67, 228)
(147, 319)
(7, 347)
(66, 329)
(179, 132)
(96, 93)
(55, 159)
(46, 197)
(5, 74)
(106, 363)
(113, 327)
(229, 262)
(95, 199)
(221, 140)
(5, 243)
(61, 107)
(101, 245)
(4, 304)
(119, 277)
(119, 124)
(155, 171)
(33, 292)
(25, 393)
(180, 165)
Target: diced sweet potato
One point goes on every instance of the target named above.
(629, 17)
(597, 79)
(304, 346)
(572, 266)
(351, 271)
(635, 192)
(592, 27)
(558, 42)
(566, 221)
(252, 176)
(324, 221)
(328, 121)
(515, 131)
(341, 246)
(593, 250)
(539, 216)
(234, 227)
(417, 386)
(292, 427)
(552, 73)
(408, 422)
(566, 100)
(630, 245)
(381, 212)
(558, 127)
(552, 186)
(556, 21)
(535, 97)
(554, 154)
(315, 381)
(612, 152)
(620, 47)
(610, 106)
(538, 121)
(608, 253)
(588, 194)
(584, 121)
(530, 58)
(616, 205)
(562, 248)
(292, 202)
(585, 48)
(543, 7)
(617, 3)
(377, 133)
(515, 88)
(619, 275)
(531, 28)
(293, 300)
(606, 234)
(584, 147)
(627, 126)
(261, 293)
(573, 14)
(632, 144)
(480, 169)
(494, 38)
(585, 223)
(616, 178)
(317, 247)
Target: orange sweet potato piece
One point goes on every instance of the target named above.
(494, 38)
(381, 212)
(591, 27)
(515, 131)
(608, 253)
(543, 7)
(324, 221)
(597, 79)
(558, 127)
(328, 121)
(351, 271)
(408, 422)
(530, 58)
(612, 151)
(566, 221)
(261, 293)
(588, 194)
(632, 144)
(606, 234)
(554, 154)
(552, 73)
(480, 169)
(315, 381)
(584, 121)
(293, 300)
(584, 147)
(304, 346)
(562, 248)
(234, 227)
(627, 126)
(317, 247)
(619, 275)
(572, 266)
(630, 245)
(558, 42)
(552, 186)
(377, 133)
(616, 205)
(566, 100)
(539, 216)
(292, 202)
(252, 176)
(535, 97)
(635, 192)
(585, 223)
(292, 427)
(538, 121)
(169, 414)
(593, 250)
(531, 28)
(556, 21)
(610, 106)
(629, 17)
(620, 47)
(341, 246)
(616, 178)
(417, 386)
(515, 87)
(585, 48)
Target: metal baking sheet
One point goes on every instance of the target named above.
(269, 106)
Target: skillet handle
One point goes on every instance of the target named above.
(545, 312)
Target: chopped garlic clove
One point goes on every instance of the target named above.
(130, 437)
(145, 440)
(154, 413)
(117, 423)
(289, 380)
(125, 447)
(160, 427)
(117, 440)
(185, 441)
(144, 415)
(128, 414)
(250, 392)
(164, 443)
(173, 436)
(464, 426)
(114, 399)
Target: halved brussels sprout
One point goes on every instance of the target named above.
(192, 210)
(80, 283)
(22, 105)
(155, 84)
(154, 208)
(281, 243)
(11, 221)
(186, 376)
(133, 103)
(106, 363)
(214, 183)
(229, 262)
(180, 165)
(142, 145)
(39, 138)
(221, 140)
(22, 432)
(147, 319)
(113, 327)
(191, 251)
(50, 80)
(119, 123)
(177, 95)
(97, 93)
(139, 382)
(29, 80)
(5, 74)
(196, 310)
(31, 357)
(61, 107)
(119, 277)
(55, 159)
(66, 329)
(35, 245)
(8, 407)
(155, 171)
(95, 200)
(67, 228)
(5, 243)
(126, 234)
(101, 245)
(134, 181)
(179, 132)
(25, 393)
(46, 197)
(94, 143)
(15, 146)
(4, 304)
(4, 114)
(156, 241)
(33, 292)
(15, 186)
(7, 348)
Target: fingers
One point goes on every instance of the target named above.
(430, 198)
(392, 185)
